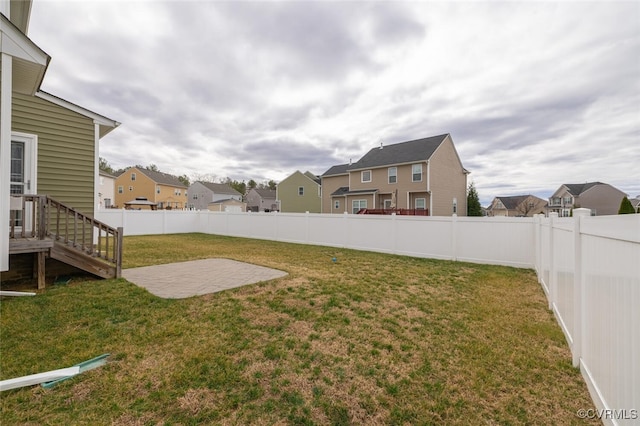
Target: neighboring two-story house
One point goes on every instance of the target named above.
(423, 175)
(203, 194)
(517, 206)
(106, 190)
(601, 198)
(261, 200)
(299, 193)
(162, 189)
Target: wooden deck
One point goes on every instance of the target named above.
(62, 233)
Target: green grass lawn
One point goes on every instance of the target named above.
(369, 339)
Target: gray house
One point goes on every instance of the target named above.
(601, 198)
(261, 200)
(202, 194)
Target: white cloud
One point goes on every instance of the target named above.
(535, 94)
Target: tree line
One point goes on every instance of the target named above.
(240, 186)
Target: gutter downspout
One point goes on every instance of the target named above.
(429, 187)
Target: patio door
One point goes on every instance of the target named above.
(23, 175)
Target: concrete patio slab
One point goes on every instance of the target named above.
(198, 277)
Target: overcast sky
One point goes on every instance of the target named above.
(534, 94)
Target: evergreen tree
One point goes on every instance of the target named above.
(626, 207)
(473, 202)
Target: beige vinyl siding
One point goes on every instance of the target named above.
(448, 181)
(330, 184)
(66, 150)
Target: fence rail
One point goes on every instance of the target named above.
(588, 267)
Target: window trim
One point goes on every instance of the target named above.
(360, 206)
(301, 190)
(362, 176)
(133, 176)
(413, 173)
(394, 175)
(424, 203)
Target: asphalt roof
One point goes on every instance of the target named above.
(511, 203)
(219, 188)
(344, 190)
(579, 188)
(340, 169)
(163, 178)
(400, 153)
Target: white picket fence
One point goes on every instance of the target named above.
(589, 268)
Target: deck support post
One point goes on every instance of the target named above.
(40, 263)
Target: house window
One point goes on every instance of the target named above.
(393, 174)
(416, 172)
(366, 176)
(133, 176)
(157, 189)
(195, 196)
(421, 203)
(107, 203)
(357, 205)
(387, 204)
(455, 205)
(336, 205)
(301, 190)
(120, 189)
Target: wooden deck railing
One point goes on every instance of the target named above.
(40, 217)
(402, 212)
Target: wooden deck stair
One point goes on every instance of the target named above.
(49, 228)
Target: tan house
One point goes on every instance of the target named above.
(424, 176)
(601, 198)
(228, 205)
(517, 206)
(162, 189)
(299, 193)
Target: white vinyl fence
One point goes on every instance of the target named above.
(589, 268)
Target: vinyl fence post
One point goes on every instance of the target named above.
(552, 268)
(578, 286)
(454, 237)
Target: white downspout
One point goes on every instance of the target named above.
(429, 187)
(96, 168)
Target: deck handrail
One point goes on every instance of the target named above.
(49, 218)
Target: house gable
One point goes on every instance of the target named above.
(420, 174)
(299, 193)
(161, 188)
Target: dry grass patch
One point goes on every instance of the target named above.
(369, 339)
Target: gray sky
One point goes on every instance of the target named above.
(534, 94)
